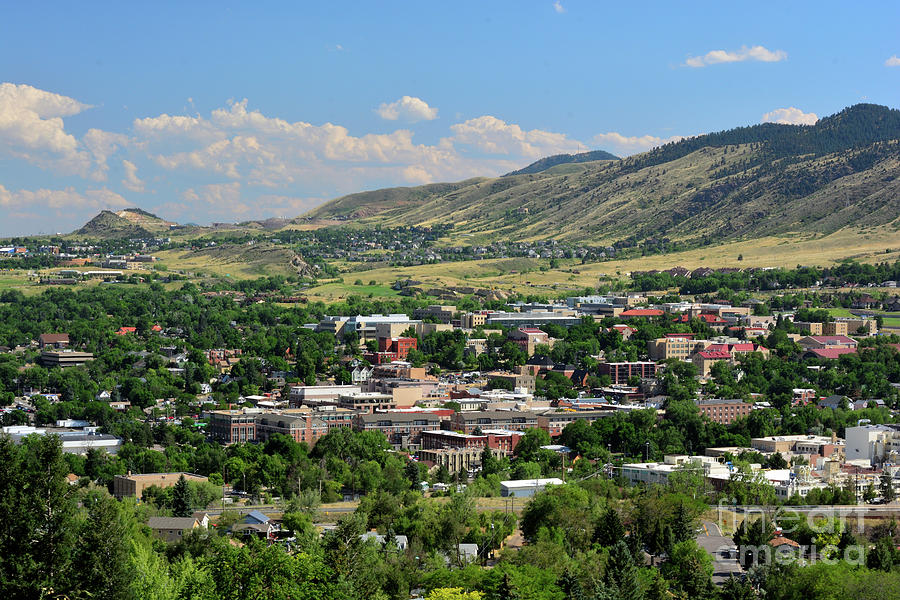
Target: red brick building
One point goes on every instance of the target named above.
(391, 349)
(620, 372)
(724, 411)
(305, 428)
(504, 442)
(230, 426)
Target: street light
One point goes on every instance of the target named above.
(647, 452)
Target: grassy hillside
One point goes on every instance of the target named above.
(126, 223)
(562, 159)
(236, 260)
(736, 185)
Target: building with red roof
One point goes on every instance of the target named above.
(828, 353)
(826, 341)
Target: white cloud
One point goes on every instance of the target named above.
(893, 61)
(495, 136)
(558, 7)
(755, 53)
(407, 108)
(132, 181)
(31, 128)
(61, 200)
(790, 116)
(623, 145)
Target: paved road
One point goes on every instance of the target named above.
(712, 540)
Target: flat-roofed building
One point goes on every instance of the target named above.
(232, 426)
(680, 346)
(524, 381)
(525, 488)
(819, 445)
(501, 441)
(554, 422)
(334, 417)
(724, 411)
(56, 341)
(301, 428)
(64, 358)
(316, 395)
(621, 372)
(456, 460)
(473, 320)
(529, 337)
(133, 485)
(441, 313)
(367, 402)
(401, 429)
(565, 318)
(515, 420)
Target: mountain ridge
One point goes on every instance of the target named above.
(747, 181)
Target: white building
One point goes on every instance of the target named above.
(525, 488)
(316, 395)
(873, 443)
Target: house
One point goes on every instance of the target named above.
(401, 541)
(833, 402)
(126, 330)
(172, 529)
(53, 340)
(783, 547)
(256, 523)
(202, 518)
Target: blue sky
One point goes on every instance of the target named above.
(227, 111)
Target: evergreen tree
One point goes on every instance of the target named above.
(101, 553)
(37, 516)
(682, 524)
(621, 574)
(610, 528)
(736, 589)
(570, 586)
(887, 488)
(182, 502)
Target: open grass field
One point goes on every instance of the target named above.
(239, 264)
(524, 275)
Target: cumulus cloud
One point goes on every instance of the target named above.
(495, 136)
(790, 116)
(61, 200)
(407, 108)
(754, 53)
(893, 61)
(623, 145)
(558, 7)
(31, 128)
(132, 181)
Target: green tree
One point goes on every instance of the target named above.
(182, 500)
(886, 483)
(690, 568)
(100, 561)
(38, 516)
